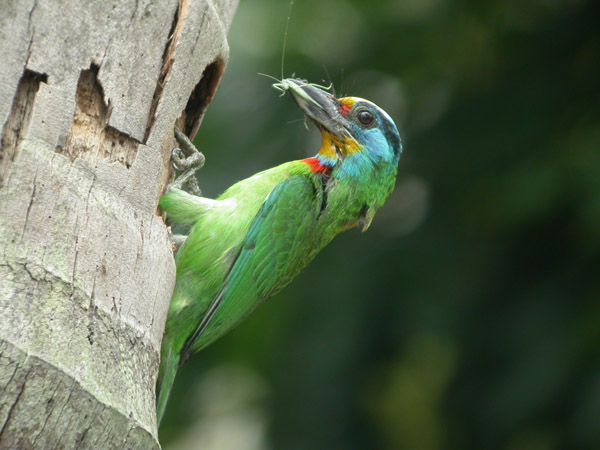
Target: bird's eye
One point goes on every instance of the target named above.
(365, 117)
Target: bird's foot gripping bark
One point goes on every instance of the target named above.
(186, 159)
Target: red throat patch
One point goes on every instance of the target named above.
(316, 166)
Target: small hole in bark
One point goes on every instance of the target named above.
(90, 137)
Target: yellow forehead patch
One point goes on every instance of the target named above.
(347, 101)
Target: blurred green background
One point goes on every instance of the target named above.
(468, 316)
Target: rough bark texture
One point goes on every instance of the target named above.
(89, 93)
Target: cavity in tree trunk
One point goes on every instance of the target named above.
(89, 94)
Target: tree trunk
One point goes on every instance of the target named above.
(89, 94)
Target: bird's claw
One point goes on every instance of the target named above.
(178, 159)
(181, 162)
(187, 160)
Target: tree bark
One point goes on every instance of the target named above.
(89, 94)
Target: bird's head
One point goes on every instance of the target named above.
(349, 125)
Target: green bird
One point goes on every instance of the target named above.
(250, 242)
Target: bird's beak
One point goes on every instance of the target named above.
(317, 104)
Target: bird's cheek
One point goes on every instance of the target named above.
(350, 146)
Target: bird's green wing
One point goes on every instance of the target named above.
(278, 244)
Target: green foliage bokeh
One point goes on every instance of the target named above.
(467, 317)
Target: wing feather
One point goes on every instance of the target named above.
(278, 244)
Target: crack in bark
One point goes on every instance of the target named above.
(17, 367)
(29, 16)
(48, 414)
(167, 66)
(140, 249)
(135, 8)
(131, 427)
(87, 201)
(30, 204)
(13, 406)
(100, 435)
(76, 250)
(18, 119)
(67, 401)
(81, 438)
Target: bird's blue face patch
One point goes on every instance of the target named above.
(373, 129)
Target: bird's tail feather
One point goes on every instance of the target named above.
(168, 369)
